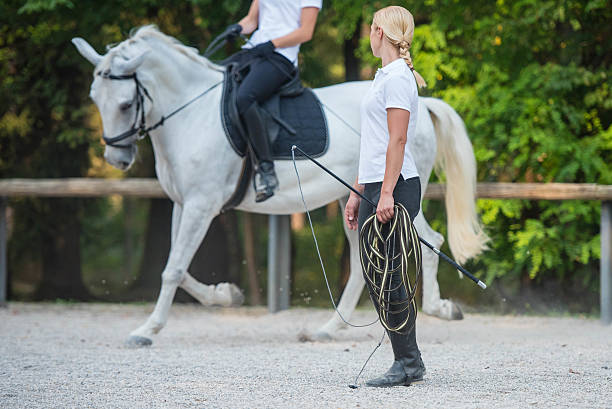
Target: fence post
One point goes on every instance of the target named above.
(3, 243)
(606, 262)
(279, 262)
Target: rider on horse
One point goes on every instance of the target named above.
(280, 27)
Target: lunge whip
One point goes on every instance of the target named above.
(425, 242)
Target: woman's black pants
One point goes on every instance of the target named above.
(408, 193)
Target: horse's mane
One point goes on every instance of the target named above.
(152, 32)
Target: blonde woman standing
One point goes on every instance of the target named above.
(387, 171)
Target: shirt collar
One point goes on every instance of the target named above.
(392, 66)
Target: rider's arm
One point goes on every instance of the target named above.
(308, 20)
(250, 21)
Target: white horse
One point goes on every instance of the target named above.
(198, 169)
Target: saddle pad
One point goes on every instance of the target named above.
(303, 113)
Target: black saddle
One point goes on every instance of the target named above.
(293, 116)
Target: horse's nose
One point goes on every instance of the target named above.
(124, 164)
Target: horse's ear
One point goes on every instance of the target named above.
(87, 51)
(129, 66)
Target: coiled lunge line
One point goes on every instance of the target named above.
(377, 244)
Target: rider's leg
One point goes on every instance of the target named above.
(262, 81)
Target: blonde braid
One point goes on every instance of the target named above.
(404, 46)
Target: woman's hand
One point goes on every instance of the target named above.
(385, 209)
(351, 212)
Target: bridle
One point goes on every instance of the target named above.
(139, 126)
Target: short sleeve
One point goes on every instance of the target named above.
(311, 3)
(399, 92)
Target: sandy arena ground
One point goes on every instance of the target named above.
(60, 356)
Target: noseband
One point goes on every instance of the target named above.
(139, 126)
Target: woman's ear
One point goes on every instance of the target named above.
(379, 32)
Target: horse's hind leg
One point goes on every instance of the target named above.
(352, 291)
(432, 303)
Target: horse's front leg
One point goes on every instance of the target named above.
(193, 222)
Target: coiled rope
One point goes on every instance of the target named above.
(379, 262)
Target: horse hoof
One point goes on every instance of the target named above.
(321, 336)
(228, 295)
(456, 313)
(136, 341)
(237, 296)
(448, 310)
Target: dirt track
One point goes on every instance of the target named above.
(57, 356)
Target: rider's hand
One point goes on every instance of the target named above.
(264, 49)
(351, 212)
(233, 31)
(384, 210)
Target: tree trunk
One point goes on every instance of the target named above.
(156, 249)
(251, 261)
(352, 64)
(128, 238)
(61, 252)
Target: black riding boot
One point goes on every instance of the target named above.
(408, 367)
(265, 177)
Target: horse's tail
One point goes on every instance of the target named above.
(455, 157)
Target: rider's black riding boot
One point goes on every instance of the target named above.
(408, 367)
(265, 178)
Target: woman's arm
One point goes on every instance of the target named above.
(250, 21)
(351, 210)
(308, 20)
(397, 121)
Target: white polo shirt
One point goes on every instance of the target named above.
(278, 18)
(394, 86)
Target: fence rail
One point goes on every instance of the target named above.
(137, 187)
(90, 187)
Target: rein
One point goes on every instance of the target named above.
(141, 128)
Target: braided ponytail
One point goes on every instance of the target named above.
(404, 47)
(398, 25)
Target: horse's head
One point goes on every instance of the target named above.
(149, 57)
(120, 97)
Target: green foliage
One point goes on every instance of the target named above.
(33, 6)
(532, 85)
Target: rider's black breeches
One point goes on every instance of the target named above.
(265, 76)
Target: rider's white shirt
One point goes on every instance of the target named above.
(278, 18)
(394, 86)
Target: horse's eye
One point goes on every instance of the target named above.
(125, 106)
